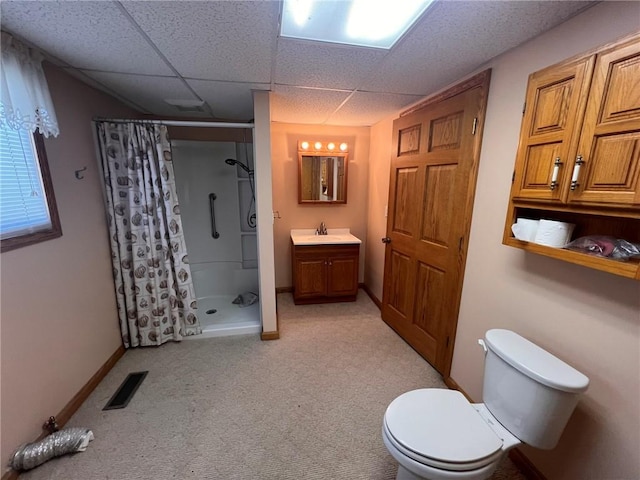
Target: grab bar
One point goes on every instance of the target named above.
(214, 232)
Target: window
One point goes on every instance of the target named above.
(28, 212)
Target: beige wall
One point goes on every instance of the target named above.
(588, 318)
(284, 157)
(379, 171)
(59, 318)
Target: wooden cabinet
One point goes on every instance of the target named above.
(325, 273)
(554, 106)
(610, 138)
(578, 159)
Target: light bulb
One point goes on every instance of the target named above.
(318, 145)
(343, 147)
(304, 145)
(331, 146)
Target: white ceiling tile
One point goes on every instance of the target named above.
(301, 105)
(323, 65)
(216, 43)
(454, 38)
(88, 35)
(212, 40)
(233, 101)
(363, 107)
(148, 91)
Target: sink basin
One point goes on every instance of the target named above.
(306, 237)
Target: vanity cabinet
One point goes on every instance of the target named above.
(324, 273)
(578, 159)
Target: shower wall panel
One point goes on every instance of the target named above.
(216, 263)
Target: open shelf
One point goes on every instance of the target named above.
(629, 269)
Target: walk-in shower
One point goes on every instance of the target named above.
(217, 204)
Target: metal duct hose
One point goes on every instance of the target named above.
(68, 440)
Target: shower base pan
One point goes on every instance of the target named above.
(228, 319)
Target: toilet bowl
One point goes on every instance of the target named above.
(529, 395)
(464, 441)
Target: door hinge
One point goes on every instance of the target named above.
(460, 243)
(524, 108)
(475, 126)
(513, 176)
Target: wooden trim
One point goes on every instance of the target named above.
(274, 335)
(480, 79)
(284, 290)
(373, 298)
(78, 399)
(526, 467)
(10, 475)
(453, 385)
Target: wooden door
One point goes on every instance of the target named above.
(432, 185)
(555, 103)
(610, 141)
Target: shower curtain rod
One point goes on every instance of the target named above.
(177, 123)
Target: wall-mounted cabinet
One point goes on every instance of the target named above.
(578, 159)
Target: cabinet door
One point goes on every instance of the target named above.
(610, 141)
(555, 103)
(311, 277)
(342, 276)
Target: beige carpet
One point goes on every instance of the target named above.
(307, 406)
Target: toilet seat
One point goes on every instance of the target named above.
(458, 438)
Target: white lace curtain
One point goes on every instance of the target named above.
(25, 102)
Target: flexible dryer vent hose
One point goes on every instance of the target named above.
(68, 440)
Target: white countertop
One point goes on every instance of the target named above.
(334, 236)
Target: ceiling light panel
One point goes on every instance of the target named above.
(366, 23)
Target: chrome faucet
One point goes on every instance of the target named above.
(322, 229)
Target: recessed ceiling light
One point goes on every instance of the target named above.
(367, 23)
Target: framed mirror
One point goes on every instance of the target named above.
(322, 172)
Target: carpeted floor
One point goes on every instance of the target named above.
(307, 406)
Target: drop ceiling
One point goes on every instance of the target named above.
(217, 52)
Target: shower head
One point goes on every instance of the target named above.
(231, 161)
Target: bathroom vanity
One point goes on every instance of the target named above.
(324, 267)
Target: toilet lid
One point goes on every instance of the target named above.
(443, 426)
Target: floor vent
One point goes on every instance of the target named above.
(125, 393)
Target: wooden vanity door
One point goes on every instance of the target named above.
(610, 141)
(555, 103)
(432, 184)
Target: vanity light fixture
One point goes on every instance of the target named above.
(326, 148)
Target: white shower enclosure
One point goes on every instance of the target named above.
(220, 234)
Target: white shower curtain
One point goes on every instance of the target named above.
(154, 289)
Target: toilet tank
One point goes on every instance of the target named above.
(528, 390)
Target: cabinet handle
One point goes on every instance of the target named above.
(330, 263)
(554, 175)
(576, 172)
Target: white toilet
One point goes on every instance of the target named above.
(528, 394)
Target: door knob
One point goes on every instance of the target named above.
(386, 240)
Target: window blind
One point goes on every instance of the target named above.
(23, 205)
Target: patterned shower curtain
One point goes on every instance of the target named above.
(154, 289)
